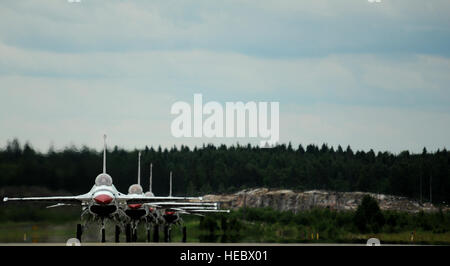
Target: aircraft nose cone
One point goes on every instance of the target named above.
(134, 206)
(103, 199)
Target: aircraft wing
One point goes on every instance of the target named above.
(185, 212)
(199, 211)
(207, 211)
(182, 204)
(58, 199)
(133, 199)
(196, 208)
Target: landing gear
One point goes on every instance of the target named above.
(184, 234)
(103, 232)
(156, 233)
(79, 232)
(148, 234)
(128, 232)
(117, 234)
(103, 235)
(134, 236)
(166, 233)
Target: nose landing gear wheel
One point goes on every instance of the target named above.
(103, 235)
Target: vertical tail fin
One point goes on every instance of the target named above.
(170, 191)
(139, 169)
(151, 170)
(104, 153)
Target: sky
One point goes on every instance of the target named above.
(348, 72)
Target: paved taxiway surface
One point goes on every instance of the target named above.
(191, 244)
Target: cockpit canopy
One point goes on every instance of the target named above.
(135, 189)
(103, 180)
(149, 194)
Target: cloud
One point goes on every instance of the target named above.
(70, 72)
(416, 80)
(365, 128)
(263, 28)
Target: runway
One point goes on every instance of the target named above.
(198, 244)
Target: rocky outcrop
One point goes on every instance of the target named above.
(288, 200)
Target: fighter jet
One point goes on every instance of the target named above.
(102, 202)
(149, 213)
(170, 211)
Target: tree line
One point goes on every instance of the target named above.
(342, 226)
(225, 169)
